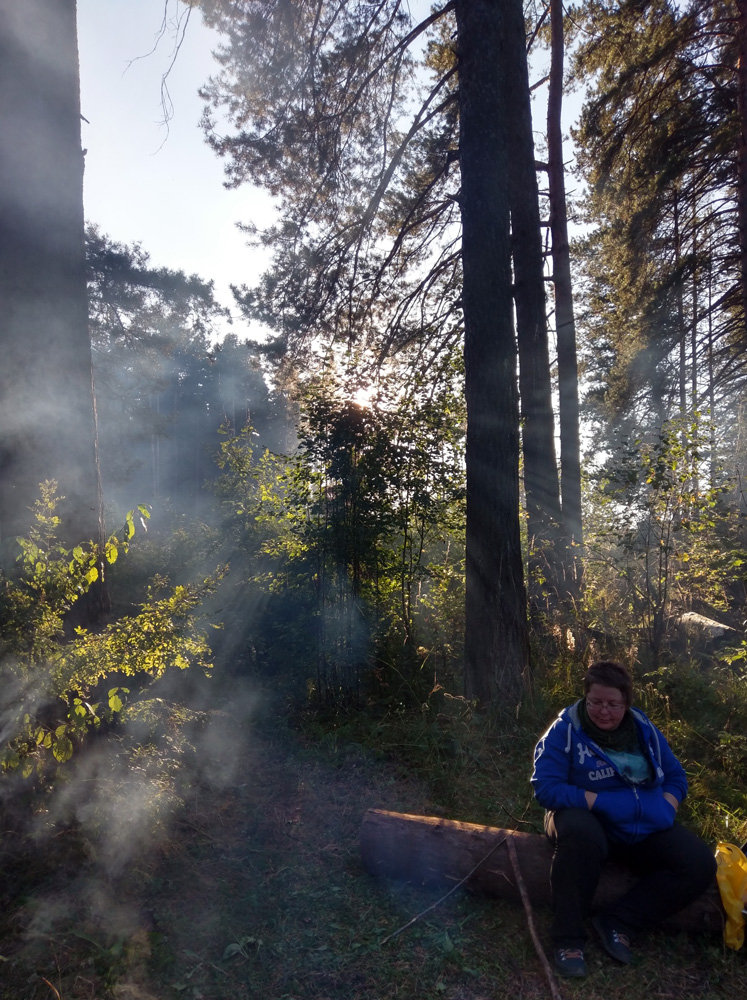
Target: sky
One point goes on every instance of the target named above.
(144, 183)
(163, 187)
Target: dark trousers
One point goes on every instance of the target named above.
(674, 865)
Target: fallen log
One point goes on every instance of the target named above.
(427, 850)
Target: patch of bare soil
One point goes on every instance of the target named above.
(250, 884)
(260, 877)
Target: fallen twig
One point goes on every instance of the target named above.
(441, 900)
(530, 919)
(53, 988)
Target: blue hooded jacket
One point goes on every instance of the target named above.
(568, 763)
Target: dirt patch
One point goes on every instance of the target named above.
(254, 876)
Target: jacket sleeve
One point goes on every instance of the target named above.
(552, 770)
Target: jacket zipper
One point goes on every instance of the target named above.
(629, 783)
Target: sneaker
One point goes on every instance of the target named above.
(616, 943)
(570, 962)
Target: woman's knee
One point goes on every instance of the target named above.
(577, 828)
(689, 856)
(703, 865)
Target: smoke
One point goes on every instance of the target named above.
(21, 695)
(125, 791)
(91, 832)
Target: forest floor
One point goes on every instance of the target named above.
(256, 890)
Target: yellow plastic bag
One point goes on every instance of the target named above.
(732, 883)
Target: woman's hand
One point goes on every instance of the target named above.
(591, 798)
(670, 799)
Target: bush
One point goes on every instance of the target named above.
(58, 687)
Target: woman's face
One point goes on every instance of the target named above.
(606, 706)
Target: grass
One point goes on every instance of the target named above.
(256, 889)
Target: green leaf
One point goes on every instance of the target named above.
(63, 749)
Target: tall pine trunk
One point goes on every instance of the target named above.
(46, 409)
(541, 484)
(679, 292)
(565, 324)
(742, 154)
(496, 627)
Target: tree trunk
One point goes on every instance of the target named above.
(680, 299)
(541, 485)
(496, 649)
(742, 154)
(565, 324)
(429, 850)
(46, 408)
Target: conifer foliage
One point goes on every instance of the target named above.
(660, 140)
(393, 188)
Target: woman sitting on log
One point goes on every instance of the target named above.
(611, 787)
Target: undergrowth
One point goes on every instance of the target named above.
(255, 887)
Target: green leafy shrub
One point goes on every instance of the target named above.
(351, 551)
(57, 688)
(664, 536)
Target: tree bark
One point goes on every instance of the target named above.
(565, 324)
(680, 299)
(496, 648)
(46, 409)
(742, 154)
(541, 486)
(427, 850)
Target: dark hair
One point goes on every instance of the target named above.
(609, 673)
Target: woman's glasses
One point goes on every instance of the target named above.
(611, 706)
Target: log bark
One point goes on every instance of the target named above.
(427, 850)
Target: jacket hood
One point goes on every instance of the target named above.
(646, 729)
